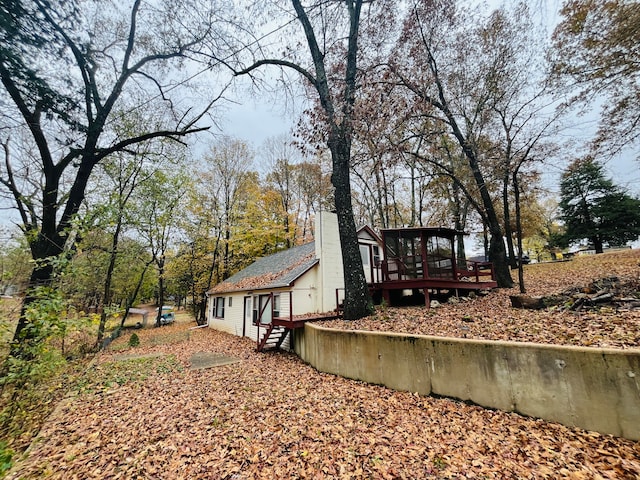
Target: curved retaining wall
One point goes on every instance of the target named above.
(590, 388)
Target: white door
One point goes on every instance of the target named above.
(248, 315)
(365, 254)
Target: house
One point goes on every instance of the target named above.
(277, 294)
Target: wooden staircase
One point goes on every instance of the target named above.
(273, 337)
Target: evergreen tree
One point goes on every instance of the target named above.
(592, 207)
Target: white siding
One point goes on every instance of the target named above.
(232, 321)
(313, 292)
(329, 251)
(306, 297)
(305, 300)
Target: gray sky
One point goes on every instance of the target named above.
(256, 119)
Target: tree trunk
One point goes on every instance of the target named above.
(459, 213)
(516, 192)
(498, 256)
(384, 221)
(511, 254)
(497, 251)
(160, 291)
(107, 281)
(357, 302)
(43, 251)
(134, 295)
(40, 277)
(201, 318)
(597, 243)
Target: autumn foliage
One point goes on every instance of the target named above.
(272, 416)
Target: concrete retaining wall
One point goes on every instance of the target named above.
(590, 388)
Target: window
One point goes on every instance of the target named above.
(219, 307)
(249, 312)
(230, 301)
(364, 254)
(276, 305)
(255, 309)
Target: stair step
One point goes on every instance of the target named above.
(273, 337)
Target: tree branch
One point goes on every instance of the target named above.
(124, 144)
(280, 63)
(10, 183)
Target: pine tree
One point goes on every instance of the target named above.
(592, 207)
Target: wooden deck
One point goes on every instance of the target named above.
(298, 321)
(435, 284)
(277, 330)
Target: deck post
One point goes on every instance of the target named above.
(290, 305)
(427, 300)
(386, 296)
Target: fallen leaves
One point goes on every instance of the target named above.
(272, 416)
(491, 317)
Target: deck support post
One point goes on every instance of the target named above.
(427, 300)
(386, 296)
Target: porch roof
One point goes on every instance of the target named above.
(275, 271)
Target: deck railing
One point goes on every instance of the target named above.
(475, 271)
(412, 268)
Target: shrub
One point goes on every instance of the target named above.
(6, 456)
(134, 340)
(36, 373)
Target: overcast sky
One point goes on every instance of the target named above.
(256, 119)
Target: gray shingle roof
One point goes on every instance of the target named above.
(278, 270)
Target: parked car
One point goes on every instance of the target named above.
(524, 259)
(168, 315)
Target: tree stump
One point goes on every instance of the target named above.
(525, 301)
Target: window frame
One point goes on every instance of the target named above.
(218, 309)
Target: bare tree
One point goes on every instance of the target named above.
(227, 170)
(68, 69)
(157, 205)
(280, 154)
(333, 79)
(476, 82)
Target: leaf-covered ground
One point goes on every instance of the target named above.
(491, 317)
(272, 416)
